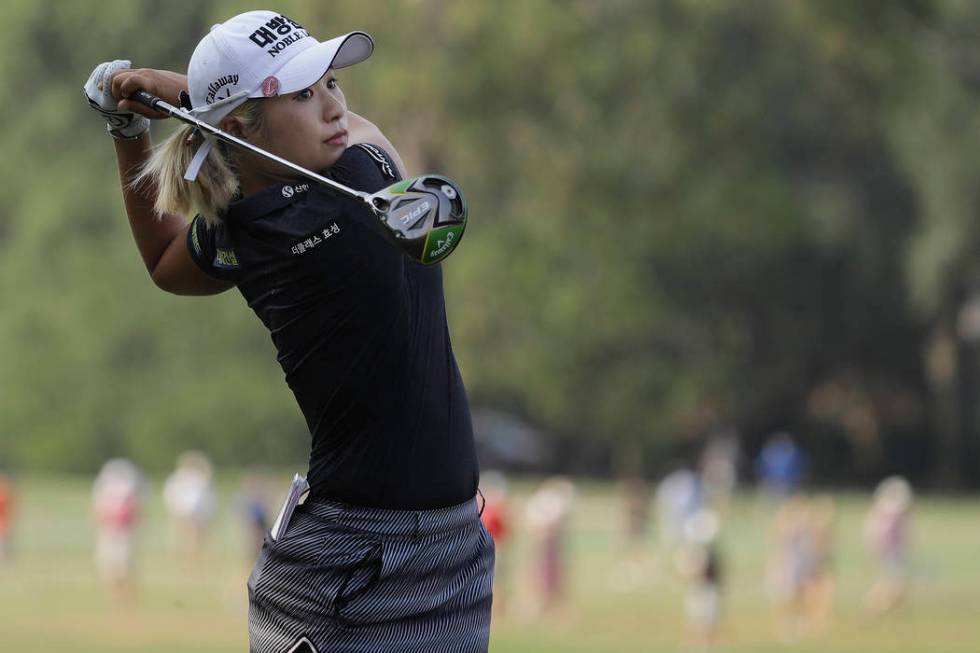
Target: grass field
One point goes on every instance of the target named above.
(50, 598)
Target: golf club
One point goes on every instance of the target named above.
(424, 215)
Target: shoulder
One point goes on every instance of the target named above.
(209, 247)
(365, 167)
(380, 158)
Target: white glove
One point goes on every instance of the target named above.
(98, 91)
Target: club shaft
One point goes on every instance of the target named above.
(163, 107)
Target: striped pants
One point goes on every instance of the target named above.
(344, 579)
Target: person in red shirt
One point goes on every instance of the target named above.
(116, 497)
(6, 515)
(497, 520)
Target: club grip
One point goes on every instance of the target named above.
(148, 99)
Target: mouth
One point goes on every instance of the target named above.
(340, 138)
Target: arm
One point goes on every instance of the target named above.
(362, 130)
(160, 239)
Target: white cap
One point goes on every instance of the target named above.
(261, 54)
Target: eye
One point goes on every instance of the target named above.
(332, 83)
(305, 94)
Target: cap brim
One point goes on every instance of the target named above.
(308, 66)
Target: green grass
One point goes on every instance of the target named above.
(50, 598)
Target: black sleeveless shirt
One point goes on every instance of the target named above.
(361, 334)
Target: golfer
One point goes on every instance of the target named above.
(388, 552)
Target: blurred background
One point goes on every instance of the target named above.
(717, 310)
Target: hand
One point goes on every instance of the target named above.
(164, 84)
(120, 123)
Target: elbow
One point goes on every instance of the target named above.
(175, 283)
(168, 280)
(163, 281)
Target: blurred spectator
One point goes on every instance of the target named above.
(719, 468)
(116, 499)
(253, 508)
(636, 510)
(497, 521)
(789, 565)
(631, 568)
(548, 511)
(251, 504)
(699, 563)
(679, 496)
(820, 583)
(780, 466)
(189, 497)
(886, 536)
(6, 516)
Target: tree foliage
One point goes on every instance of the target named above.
(685, 214)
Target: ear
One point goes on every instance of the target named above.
(233, 126)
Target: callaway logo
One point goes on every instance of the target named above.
(289, 191)
(216, 85)
(443, 244)
(416, 213)
(274, 29)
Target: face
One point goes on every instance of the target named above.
(308, 128)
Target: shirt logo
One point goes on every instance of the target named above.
(289, 191)
(314, 240)
(376, 154)
(195, 239)
(225, 258)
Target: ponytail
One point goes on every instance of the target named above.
(217, 181)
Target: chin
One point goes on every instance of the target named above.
(328, 161)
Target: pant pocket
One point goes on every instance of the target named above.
(318, 575)
(255, 577)
(356, 580)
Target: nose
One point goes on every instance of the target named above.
(333, 107)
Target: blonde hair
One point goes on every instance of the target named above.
(217, 181)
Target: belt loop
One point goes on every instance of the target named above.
(418, 523)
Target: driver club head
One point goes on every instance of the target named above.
(425, 215)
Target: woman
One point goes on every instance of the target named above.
(388, 552)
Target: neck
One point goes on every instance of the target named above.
(251, 184)
(253, 181)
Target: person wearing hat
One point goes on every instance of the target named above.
(388, 552)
